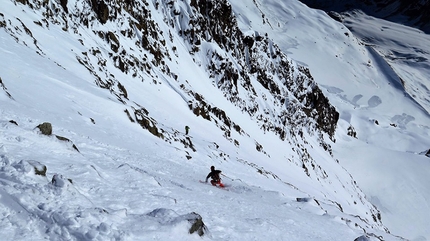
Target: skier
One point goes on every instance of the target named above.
(214, 174)
(187, 128)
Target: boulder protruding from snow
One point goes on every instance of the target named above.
(425, 153)
(26, 167)
(352, 132)
(61, 138)
(45, 128)
(39, 168)
(169, 217)
(197, 224)
(303, 199)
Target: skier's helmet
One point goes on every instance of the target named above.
(212, 168)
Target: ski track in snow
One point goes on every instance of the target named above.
(113, 211)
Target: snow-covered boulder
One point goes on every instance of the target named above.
(59, 180)
(368, 237)
(197, 223)
(31, 166)
(39, 168)
(362, 238)
(171, 218)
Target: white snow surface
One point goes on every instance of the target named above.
(126, 184)
(360, 72)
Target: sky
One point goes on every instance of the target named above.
(127, 184)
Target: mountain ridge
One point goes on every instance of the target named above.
(399, 11)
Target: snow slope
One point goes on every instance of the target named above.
(376, 74)
(127, 184)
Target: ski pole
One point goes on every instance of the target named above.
(231, 178)
(227, 176)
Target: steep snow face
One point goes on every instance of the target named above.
(121, 79)
(402, 53)
(367, 69)
(110, 193)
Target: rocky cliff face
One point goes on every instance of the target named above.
(241, 61)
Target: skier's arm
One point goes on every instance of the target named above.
(209, 175)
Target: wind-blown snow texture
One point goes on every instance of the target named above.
(273, 93)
